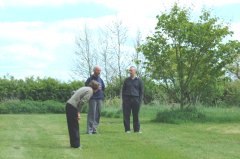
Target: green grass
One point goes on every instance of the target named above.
(45, 136)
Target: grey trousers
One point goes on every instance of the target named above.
(93, 116)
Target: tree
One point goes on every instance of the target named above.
(106, 58)
(138, 57)
(118, 37)
(186, 56)
(234, 68)
(85, 59)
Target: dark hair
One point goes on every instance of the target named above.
(94, 84)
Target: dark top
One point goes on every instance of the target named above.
(132, 88)
(100, 93)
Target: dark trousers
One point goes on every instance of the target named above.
(73, 126)
(131, 105)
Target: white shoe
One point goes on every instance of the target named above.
(128, 132)
(139, 132)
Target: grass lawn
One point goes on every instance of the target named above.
(45, 136)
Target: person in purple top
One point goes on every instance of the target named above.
(95, 102)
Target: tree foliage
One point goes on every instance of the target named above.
(188, 56)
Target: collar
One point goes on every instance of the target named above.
(135, 77)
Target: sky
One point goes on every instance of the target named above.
(37, 37)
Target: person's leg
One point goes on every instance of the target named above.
(97, 114)
(73, 126)
(126, 114)
(91, 115)
(135, 112)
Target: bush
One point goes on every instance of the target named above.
(114, 102)
(232, 93)
(111, 112)
(28, 106)
(175, 116)
(112, 108)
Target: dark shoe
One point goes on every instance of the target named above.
(94, 132)
(79, 147)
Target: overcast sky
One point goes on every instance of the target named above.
(37, 37)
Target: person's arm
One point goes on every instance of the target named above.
(141, 90)
(124, 88)
(79, 116)
(103, 85)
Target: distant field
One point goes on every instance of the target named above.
(45, 137)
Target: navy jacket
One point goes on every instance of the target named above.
(100, 93)
(133, 88)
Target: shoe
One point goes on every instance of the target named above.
(80, 147)
(94, 132)
(128, 132)
(139, 132)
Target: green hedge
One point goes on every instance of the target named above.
(37, 89)
(28, 106)
(48, 106)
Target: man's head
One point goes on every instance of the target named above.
(96, 71)
(132, 71)
(94, 85)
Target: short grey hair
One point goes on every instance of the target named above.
(133, 67)
(95, 67)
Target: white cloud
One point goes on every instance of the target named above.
(46, 34)
(21, 52)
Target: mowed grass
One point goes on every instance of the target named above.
(45, 136)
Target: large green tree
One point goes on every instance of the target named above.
(188, 56)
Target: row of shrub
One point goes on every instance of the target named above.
(161, 114)
(51, 89)
(49, 106)
(37, 89)
(29, 106)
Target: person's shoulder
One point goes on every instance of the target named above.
(88, 80)
(101, 79)
(127, 79)
(89, 89)
(90, 77)
(84, 88)
(139, 79)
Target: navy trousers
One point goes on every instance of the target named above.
(131, 104)
(73, 126)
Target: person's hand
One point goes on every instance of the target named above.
(78, 118)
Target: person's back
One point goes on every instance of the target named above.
(80, 96)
